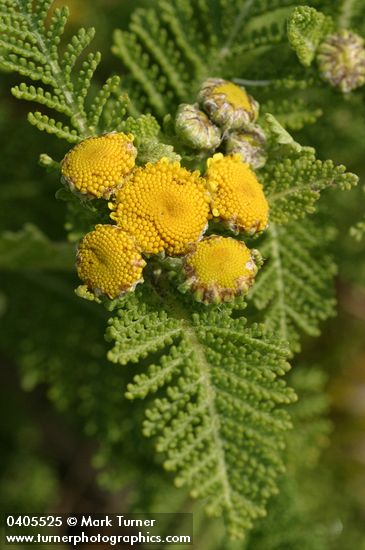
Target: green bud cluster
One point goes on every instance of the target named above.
(223, 118)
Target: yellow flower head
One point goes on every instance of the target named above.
(97, 166)
(109, 261)
(219, 268)
(227, 104)
(237, 196)
(164, 206)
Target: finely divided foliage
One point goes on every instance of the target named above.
(217, 417)
(293, 177)
(170, 50)
(31, 47)
(219, 421)
(294, 290)
(306, 29)
(294, 293)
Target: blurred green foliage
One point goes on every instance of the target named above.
(321, 504)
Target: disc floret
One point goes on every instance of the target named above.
(237, 197)
(109, 262)
(217, 269)
(97, 166)
(164, 206)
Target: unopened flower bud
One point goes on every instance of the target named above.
(249, 144)
(227, 104)
(195, 129)
(341, 60)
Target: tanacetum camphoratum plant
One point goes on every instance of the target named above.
(188, 200)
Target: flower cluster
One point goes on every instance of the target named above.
(163, 209)
(164, 206)
(224, 117)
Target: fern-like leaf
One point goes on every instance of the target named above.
(294, 291)
(293, 177)
(306, 29)
(170, 48)
(146, 132)
(219, 422)
(292, 114)
(30, 38)
(293, 521)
